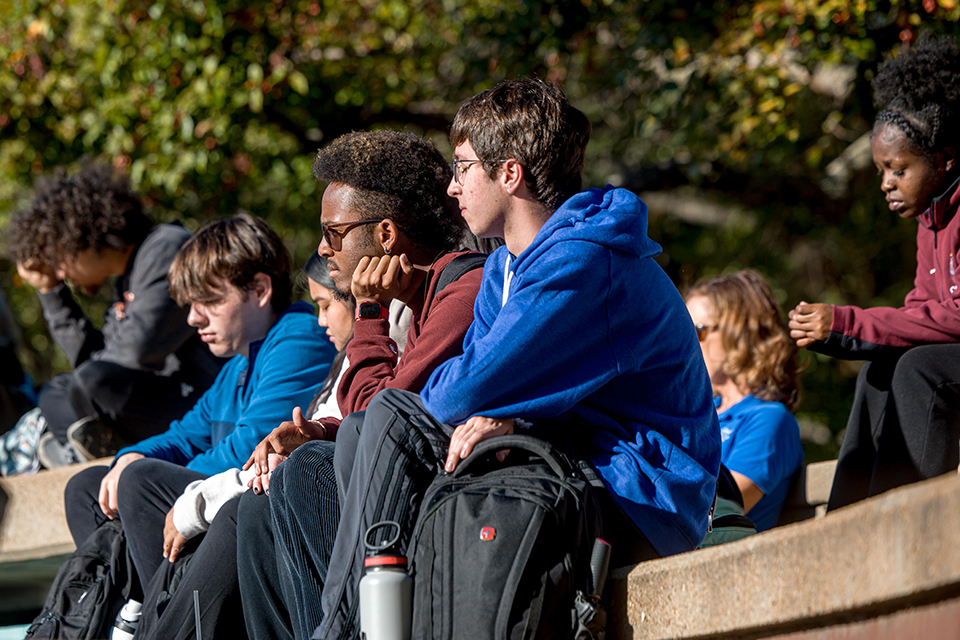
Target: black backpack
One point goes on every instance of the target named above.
(501, 550)
(91, 587)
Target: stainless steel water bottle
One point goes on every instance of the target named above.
(386, 589)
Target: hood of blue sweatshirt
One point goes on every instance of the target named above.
(584, 328)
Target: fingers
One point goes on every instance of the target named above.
(261, 484)
(298, 418)
(250, 460)
(107, 496)
(381, 279)
(466, 436)
(105, 499)
(172, 551)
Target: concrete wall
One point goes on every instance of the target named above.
(868, 560)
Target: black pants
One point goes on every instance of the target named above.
(904, 425)
(146, 492)
(208, 565)
(399, 450)
(135, 403)
(285, 544)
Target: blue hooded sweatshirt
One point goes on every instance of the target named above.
(249, 398)
(586, 328)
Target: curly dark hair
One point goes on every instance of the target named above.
(920, 92)
(399, 176)
(94, 208)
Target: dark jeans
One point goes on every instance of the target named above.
(135, 403)
(904, 425)
(208, 565)
(146, 492)
(285, 543)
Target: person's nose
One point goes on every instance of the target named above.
(196, 318)
(325, 249)
(889, 182)
(454, 188)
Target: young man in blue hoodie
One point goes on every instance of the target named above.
(577, 330)
(235, 275)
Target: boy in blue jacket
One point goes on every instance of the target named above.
(577, 330)
(236, 276)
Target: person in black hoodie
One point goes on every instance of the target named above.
(146, 367)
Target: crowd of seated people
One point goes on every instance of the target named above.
(570, 331)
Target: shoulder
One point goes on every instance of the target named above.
(171, 236)
(762, 414)
(160, 247)
(296, 320)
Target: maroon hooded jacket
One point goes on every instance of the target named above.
(931, 311)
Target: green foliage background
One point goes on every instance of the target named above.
(213, 106)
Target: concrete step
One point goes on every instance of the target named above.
(34, 538)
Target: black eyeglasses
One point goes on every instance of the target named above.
(330, 231)
(703, 330)
(459, 169)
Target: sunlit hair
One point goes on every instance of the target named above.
(761, 357)
(95, 208)
(531, 122)
(231, 251)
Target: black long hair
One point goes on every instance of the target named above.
(316, 269)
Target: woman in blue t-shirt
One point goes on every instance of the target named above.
(752, 365)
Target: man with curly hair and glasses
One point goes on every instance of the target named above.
(146, 367)
(577, 334)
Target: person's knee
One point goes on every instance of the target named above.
(916, 370)
(84, 486)
(95, 382)
(138, 479)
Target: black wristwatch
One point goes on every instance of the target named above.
(372, 311)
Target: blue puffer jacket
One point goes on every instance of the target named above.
(591, 331)
(249, 398)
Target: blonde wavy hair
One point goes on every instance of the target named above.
(761, 357)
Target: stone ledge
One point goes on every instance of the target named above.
(35, 525)
(878, 555)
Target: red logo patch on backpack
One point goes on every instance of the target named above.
(488, 533)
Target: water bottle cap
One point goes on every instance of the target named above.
(382, 561)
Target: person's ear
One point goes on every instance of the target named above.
(949, 159)
(262, 289)
(512, 176)
(387, 234)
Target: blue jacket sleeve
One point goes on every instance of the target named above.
(289, 377)
(546, 307)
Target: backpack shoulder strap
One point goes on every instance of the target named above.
(457, 267)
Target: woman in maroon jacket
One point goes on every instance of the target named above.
(905, 422)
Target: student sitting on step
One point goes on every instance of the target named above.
(235, 275)
(146, 366)
(752, 365)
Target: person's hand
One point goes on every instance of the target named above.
(173, 541)
(108, 486)
(381, 279)
(284, 440)
(475, 430)
(261, 483)
(39, 276)
(810, 323)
